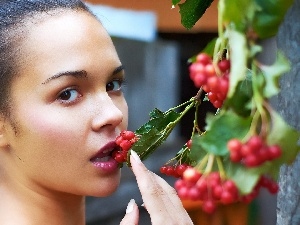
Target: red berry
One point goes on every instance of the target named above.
(125, 145)
(180, 169)
(128, 135)
(224, 65)
(189, 144)
(223, 87)
(209, 206)
(199, 80)
(234, 145)
(119, 139)
(119, 157)
(191, 174)
(212, 96)
(213, 83)
(163, 169)
(273, 188)
(274, 151)
(227, 197)
(203, 58)
(235, 156)
(251, 160)
(217, 104)
(194, 194)
(210, 70)
(255, 143)
(183, 192)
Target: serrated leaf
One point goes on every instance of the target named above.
(268, 19)
(220, 129)
(153, 133)
(192, 10)
(272, 74)
(238, 54)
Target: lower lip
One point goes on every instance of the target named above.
(108, 166)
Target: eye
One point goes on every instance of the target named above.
(114, 85)
(68, 96)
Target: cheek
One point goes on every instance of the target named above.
(53, 128)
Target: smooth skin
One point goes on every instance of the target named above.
(66, 105)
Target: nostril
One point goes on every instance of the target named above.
(109, 117)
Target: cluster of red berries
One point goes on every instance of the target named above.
(174, 170)
(253, 152)
(125, 140)
(210, 189)
(214, 81)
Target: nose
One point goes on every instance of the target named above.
(108, 112)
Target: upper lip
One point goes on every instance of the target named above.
(105, 150)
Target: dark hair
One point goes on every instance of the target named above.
(13, 15)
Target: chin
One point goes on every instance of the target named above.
(106, 187)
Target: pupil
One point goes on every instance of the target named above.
(109, 86)
(65, 95)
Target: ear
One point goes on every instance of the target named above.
(3, 132)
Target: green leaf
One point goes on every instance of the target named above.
(237, 13)
(272, 74)
(192, 10)
(285, 136)
(153, 133)
(209, 49)
(175, 2)
(244, 178)
(269, 17)
(238, 54)
(220, 129)
(240, 102)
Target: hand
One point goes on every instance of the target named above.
(160, 199)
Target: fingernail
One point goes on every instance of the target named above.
(135, 156)
(130, 205)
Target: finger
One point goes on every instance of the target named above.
(132, 214)
(173, 202)
(160, 199)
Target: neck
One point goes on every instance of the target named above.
(24, 206)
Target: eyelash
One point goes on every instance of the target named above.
(69, 90)
(121, 83)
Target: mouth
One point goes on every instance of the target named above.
(105, 153)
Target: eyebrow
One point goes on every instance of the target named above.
(118, 70)
(79, 74)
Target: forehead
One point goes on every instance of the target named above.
(66, 40)
(68, 27)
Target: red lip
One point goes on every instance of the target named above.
(105, 150)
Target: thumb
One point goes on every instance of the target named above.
(132, 214)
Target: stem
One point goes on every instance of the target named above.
(259, 101)
(182, 104)
(210, 163)
(202, 163)
(221, 167)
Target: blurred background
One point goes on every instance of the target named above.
(154, 48)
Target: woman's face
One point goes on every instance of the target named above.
(68, 108)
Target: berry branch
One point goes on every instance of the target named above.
(241, 149)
